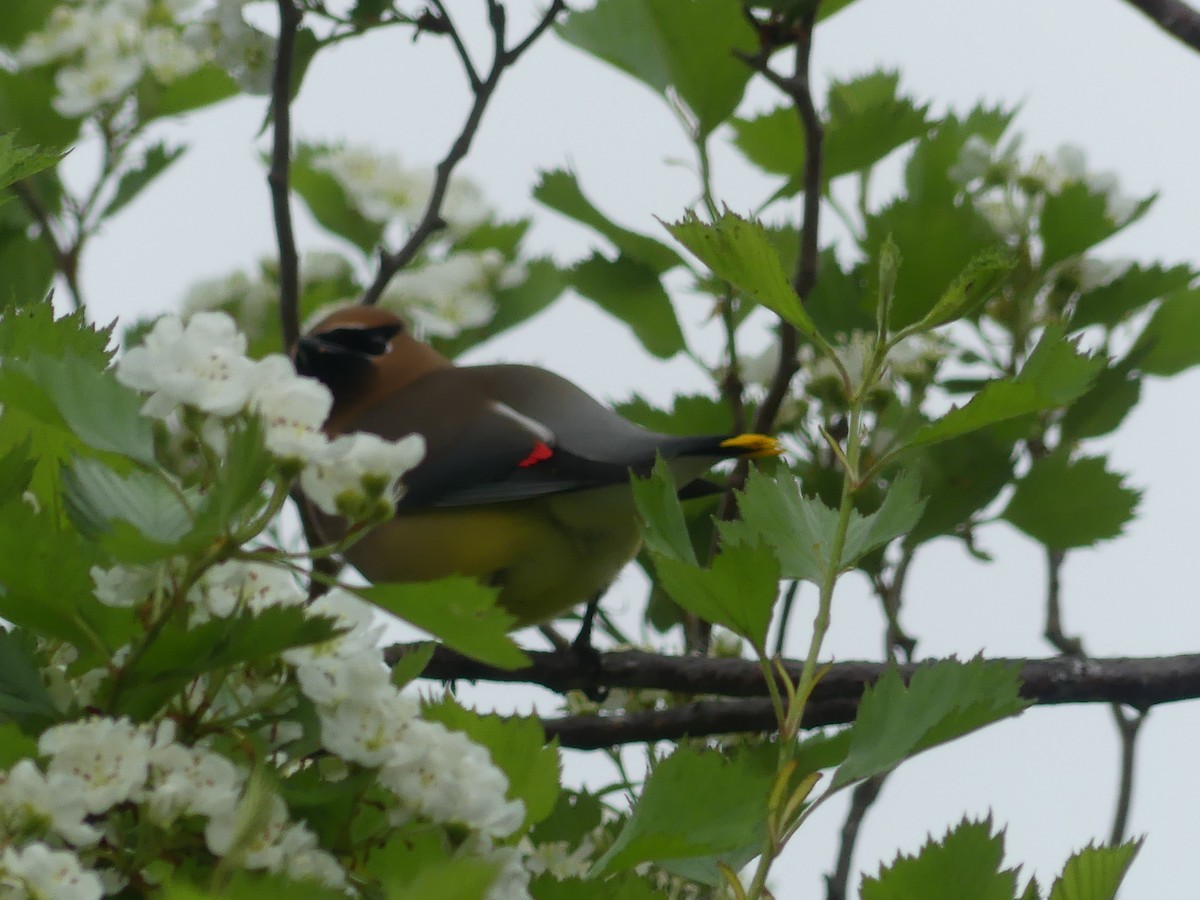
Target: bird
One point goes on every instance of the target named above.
(525, 482)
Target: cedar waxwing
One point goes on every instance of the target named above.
(525, 480)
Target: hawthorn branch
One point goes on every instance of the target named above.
(1177, 19)
(278, 178)
(65, 253)
(482, 89)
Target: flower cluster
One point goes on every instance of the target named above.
(202, 366)
(383, 190)
(103, 48)
(444, 297)
(1009, 194)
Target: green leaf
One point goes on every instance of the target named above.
(458, 879)
(22, 19)
(23, 694)
(626, 886)
(576, 814)
(98, 499)
(973, 287)
(408, 667)
(1103, 408)
(1112, 303)
(328, 203)
(664, 529)
(559, 189)
(741, 252)
(1076, 219)
(26, 268)
(15, 745)
(205, 86)
(801, 529)
(18, 162)
(179, 653)
(1168, 345)
(738, 590)
(99, 410)
(926, 176)
(939, 242)
(156, 160)
(632, 292)
(26, 107)
(943, 701)
(685, 45)
(459, 611)
(697, 806)
(16, 471)
(1054, 375)
(965, 863)
(867, 119)
(45, 585)
(240, 884)
(517, 746)
(1094, 873)
(1066, 503)
(960, 477)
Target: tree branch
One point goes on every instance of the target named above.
(278, 177)
(431, 220)
(66, 258)
(1175, 18)
(865, 794)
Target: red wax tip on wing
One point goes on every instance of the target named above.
(541, 451)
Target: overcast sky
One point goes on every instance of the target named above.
(1094, 74)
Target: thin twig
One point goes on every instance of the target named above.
(1128, 724)
(1065, 644)
(66, 258)
(860, 802)
(1175, 18)
(279, 175)
(431, 220)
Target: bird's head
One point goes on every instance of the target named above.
(362, 354)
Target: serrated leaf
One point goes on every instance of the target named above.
(1138, 286)
(959, 477)
(411, 664)
(626, 886)
(575, 815)
(559, 189)
(965, 863)
(459, 611)
(926, 176)
(1066, 503)
(45, 585)
(974, 286)
(157, 159)
(737, 590)
(943, 701)
(633, 293)
(1103, 408)
(101, 412)
(20, 161)
(682, 45)
(243, 885)
(696, 806)
(27, 268)
(742, 253)
(1094, 873)
(1077, 218)
(1054, 375)
(802, 530)
(1168, 345)
(664, 529)
(518, 748)
(26, 107)
(97, 498)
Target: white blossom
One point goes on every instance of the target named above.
(304, 860)
(444, 297)
(378, 185)
(37, 872)
(324, 265)
(357, 475)
(202, 365)
(28, 798)
(234, 584)
(188, 780)
(167, 55)
(101, 79)
(292, 408)
(126, 586)
(105, 760)
(254, 835)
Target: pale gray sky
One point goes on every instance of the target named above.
(1091, 73)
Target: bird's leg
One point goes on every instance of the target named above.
(587, 656)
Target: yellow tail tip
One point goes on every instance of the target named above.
(753, 446)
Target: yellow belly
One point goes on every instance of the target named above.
(546, 555)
